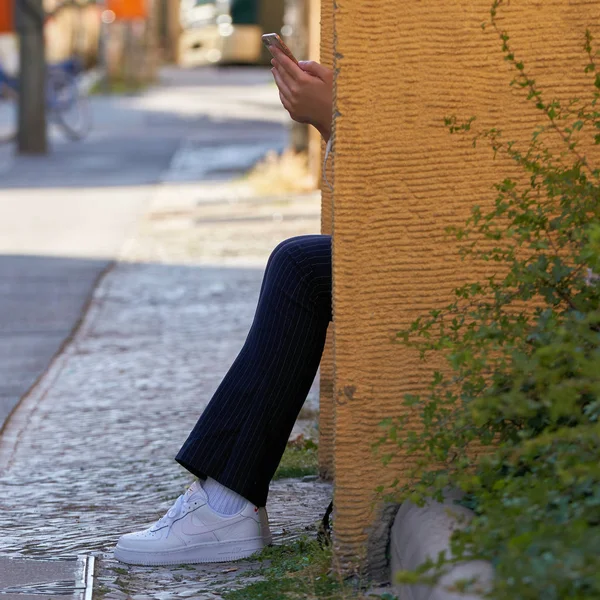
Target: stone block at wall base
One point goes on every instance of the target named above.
(419, 533)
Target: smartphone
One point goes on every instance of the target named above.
(272, 39)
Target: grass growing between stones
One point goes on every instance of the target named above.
(299, 459)
(299, 570)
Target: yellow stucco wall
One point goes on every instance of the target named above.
(326, 411)
(400, 179)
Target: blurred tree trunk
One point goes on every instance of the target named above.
(32, 136)
(148, 44)
(170, 28)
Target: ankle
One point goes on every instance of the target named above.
(222, 499)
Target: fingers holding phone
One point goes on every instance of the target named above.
(273, 42)
(305, 89)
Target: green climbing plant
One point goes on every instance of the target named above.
(513, 420)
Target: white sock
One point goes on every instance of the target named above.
(222, 499)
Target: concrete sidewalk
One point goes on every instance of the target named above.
(95, 442)
(88, 455)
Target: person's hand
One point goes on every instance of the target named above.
(306, 91)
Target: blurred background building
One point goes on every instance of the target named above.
(129, 39)
(74, 31)
(190, 32)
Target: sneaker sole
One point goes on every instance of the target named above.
(205, 553)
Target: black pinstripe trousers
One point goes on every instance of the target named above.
(240, 437)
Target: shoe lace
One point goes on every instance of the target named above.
(173, 513)
(180, 507)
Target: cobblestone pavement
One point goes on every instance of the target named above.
(89, 454)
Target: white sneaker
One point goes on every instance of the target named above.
(192, 532)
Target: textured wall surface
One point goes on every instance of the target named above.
(400, 179)
(326, 411)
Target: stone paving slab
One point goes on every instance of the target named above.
(14, 571)
(21, 579)
(28, 597)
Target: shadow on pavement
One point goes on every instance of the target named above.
(120, 158)
(226, 117)
(41, 302)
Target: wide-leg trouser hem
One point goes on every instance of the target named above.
(241, 436)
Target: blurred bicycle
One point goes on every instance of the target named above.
(67, 106)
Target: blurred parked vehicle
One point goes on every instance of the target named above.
(219, 31)
(226, 31)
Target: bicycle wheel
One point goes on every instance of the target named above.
(9, 114)
(68, 108)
